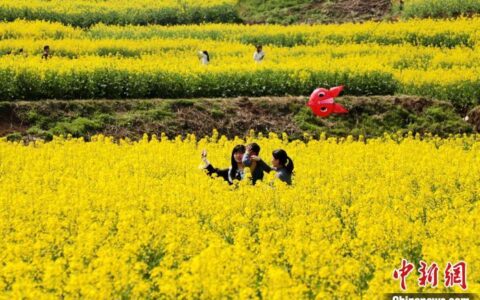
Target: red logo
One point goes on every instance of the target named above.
(454, 274)
(403, 273)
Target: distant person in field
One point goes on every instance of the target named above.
(46, 52)
(256, 164)
(283, 165)
(204, 57)
(259, 55)
(236, 169)
(19, 52)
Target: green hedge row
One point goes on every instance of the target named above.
(115, 84)
(439, 8)
(100, 83)
(463, 94)
(442, 38)
(162, 16)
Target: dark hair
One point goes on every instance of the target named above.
(255, 148)
(46, 47)
(237, 148)
(206, 53)
(284, 160)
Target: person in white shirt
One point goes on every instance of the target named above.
(204, 57)
(259, 55)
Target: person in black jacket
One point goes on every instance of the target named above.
(46, 52)
(234, 172)
(256, 164)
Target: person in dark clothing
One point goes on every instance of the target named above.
(46, 52)
(283, 165)
(256, 164)
(234, 172)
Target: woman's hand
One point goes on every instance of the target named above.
(255, 158)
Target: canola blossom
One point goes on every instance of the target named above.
(439, 8)
(107, 220)
(171, 69)
(438, 33)
(438, 59)
(84, 13)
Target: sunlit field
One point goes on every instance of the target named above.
(142, 219)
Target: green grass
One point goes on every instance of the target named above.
(371, 117)
(279, 12)
(303, 11)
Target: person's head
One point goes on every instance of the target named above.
(237, 154)
(206, 53)
(46, 48)
(254, 148)
(259, 48)
(280, 159)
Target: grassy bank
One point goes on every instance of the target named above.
(368, 116)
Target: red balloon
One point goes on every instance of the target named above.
(322, 102)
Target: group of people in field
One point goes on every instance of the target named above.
(258, 55)
(248, 157)
(242, 156)
(45, 54)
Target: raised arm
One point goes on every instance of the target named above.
(219, 172)
(264, 166)
(212, 170)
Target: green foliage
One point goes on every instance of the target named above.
(385, 33)
(222, 13)
(303, 11)
(368, 116)
(40, 133)
(78, 127)
(280, 12)
(439, 8)
(373, 118)
(462, 95)
(14, 137)
(107, 83)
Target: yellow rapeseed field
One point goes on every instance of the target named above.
(84, 13)
(141, 219)
(439, 59)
